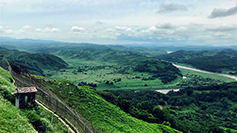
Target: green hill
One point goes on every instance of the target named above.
(85, 100)
(15, 120)
(35, 63)
(104, 115)
(11, 118)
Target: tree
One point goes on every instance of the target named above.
(162, 114)
(145, 106)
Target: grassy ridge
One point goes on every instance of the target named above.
(15, 120)
(104, 115)
(11, 119)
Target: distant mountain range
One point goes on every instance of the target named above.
(24, 43)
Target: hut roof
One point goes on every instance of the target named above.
(26, 90)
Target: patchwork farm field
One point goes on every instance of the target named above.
(109, 77)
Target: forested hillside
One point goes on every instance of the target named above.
(34, 63)
(199, 109)
(221, 61)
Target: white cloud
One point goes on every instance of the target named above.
(77, 29)
(26, 27)
(51, 29)
(38, 29)
(114, 19)
(222, 28)
(55, 30)
(9, 31)
(119, 28)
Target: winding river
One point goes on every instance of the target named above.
(197, 70)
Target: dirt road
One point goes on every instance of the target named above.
(69, 128)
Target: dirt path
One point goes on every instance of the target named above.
(197, 70)
(69, 128)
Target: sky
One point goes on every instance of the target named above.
(163, 22)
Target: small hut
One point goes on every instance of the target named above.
(24, 96)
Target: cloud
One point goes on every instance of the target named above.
(51, 30)
(165, 26)
(55, 30)
(171, 7)
(99, 23)
(77, 29)
(38, 29)
(217, 12)
(222, 28)
(26, 29)
(119, 28)
(9, 31)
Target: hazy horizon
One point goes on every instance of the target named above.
(122, 22)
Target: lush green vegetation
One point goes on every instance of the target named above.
(28, 120)
(107, 68)
(11, 119)
(224, 61)
(104, 115)
(198, 109)
(31, 63)
(207, 104)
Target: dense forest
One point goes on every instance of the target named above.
(195, 109)
(221, 61)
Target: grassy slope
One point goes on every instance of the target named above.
(104, 115)
(11, 119)
(14, 120)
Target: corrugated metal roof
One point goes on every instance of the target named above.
(26, 90)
